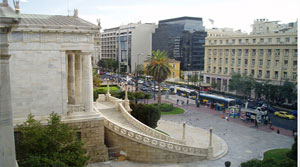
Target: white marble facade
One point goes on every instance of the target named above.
(50, 71)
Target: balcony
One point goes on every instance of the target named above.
(246, 54)
(258, 75)
(253, 54)
(276, 77)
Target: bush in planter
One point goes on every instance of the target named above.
(227, 163)
(147, 114)
(164, 107)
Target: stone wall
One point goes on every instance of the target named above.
(143, 153)
(92, 135)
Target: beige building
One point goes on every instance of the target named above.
(130, 44)
(265, 56)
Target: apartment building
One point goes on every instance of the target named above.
(264, 55)
(130, 44)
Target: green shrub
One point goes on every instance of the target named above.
(252, 163)
(227, 164)
(164, 107)
(147, 114)
(54, 145)
(103, 90)
(294, 152)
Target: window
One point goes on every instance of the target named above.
(286, 52)
(220, 61)
(276, 74)
(174, 65)
(269, 52)
(261, 40)
(246, 71)
(225, 71)
(261, 52)
(295, 52)
(278, 40)
(247, 41)
(215, 41)
(226, 61)
(215, 60)
(174, 75)
(214, 69)
(294, 76)
(277, 52)
(232, 70)
(232, 52)
(246, 61)
(215, 52)
(221, 41)
(209, 51)
(285, 75)
(267, 74)
(268, 63)
(254, 40)
(227, 41)
(209, 60)
(239, 52)
(295, 64)
(276, 63)
(246, 52)
(240, 41)
(259, 73)
(239, 70)
(253, 52)
(296, 39)
(208, 70)
(220, 69)
(239, 61)
(260, 62)
(287, 39)
(286, 62)
(232, 61)
(252, 72)
(270, 40)
(253, 62)
(226, 52)
(233, 41)
(220, 52)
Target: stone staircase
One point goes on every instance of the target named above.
(140, 142)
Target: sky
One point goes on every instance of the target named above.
(236, 14)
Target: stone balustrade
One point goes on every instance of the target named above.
(155, 142)
(146, 129)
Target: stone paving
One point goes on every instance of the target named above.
(244, 141)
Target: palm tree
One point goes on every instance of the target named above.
(159, 69)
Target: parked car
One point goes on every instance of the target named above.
(140, 81)
(284, 114)
(294, 112)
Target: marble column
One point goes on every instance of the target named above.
(71, 78)
(7, 142)
(87, 82)
(78, 78)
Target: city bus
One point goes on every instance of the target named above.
(227, 102)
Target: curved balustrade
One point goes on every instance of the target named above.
(145, 128)
(154, 142)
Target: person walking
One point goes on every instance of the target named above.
(187, 102)
(177, 101)
(271, 125)
(256, 124)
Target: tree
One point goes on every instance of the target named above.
(147, 114)
(194, 78)
(159, 69)
(101, 63)
(52, 145)
(214, 84)
(293, 154)
(96, 79)
(241, 83)
(288, 91)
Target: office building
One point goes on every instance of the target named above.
(130, 44)
(183, 40)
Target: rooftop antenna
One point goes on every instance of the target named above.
(68, 10)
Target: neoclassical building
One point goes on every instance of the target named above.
(268, 53)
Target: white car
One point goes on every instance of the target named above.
(140, 81)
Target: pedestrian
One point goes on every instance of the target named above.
(182, 102)
(187, 102)
(227, 118)
(270, 124)
(256, 124)
(177, 101)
